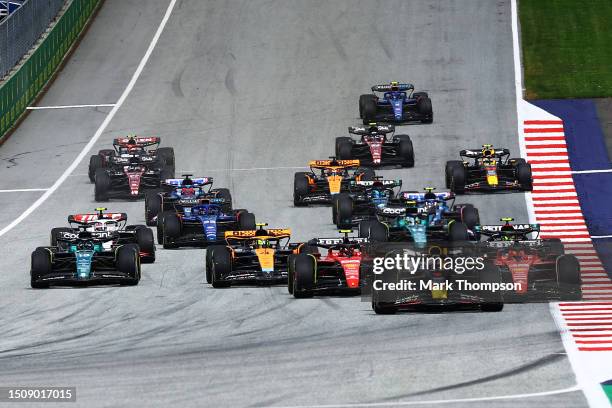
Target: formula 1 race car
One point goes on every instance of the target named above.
(85, 257)
(200, 224)
(490, 170)
(339, 270)
(376, 147)
(335, 176)
(250, 256)
(399, 104)
(362, 201)
(421, 218)
(185, 192)
(435, 283)
(127, 147)
(540, 267)
(115, 225)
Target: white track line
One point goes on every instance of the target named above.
(592, 171)
(22, 190)
(100, 130)
(447, 401)
(601, 236)
(101, 105)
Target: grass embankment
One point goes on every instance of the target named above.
(567, 48)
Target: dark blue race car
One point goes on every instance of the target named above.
(201, 224)
(399, 104)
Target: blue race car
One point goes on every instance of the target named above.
(187, 191)
(201, 224)
(421, 218)
(399, 104)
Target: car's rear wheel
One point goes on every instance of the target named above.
(424, 107)
(469, 215)
(457, 232)
(225, 194)
(171, 228)
(153, 206)
(344, 211)
(102, 185)
(457, 179)
(300, 188)
(344, 148)
(40, 265)
(406, 150)
(128, 262)
(375, 230)
(367, 106)
(523, 175)
(246, 221)
(146, 242)
(366, 173)
(304, 276)
(491, 301)
(55, 232)
(290, 272)
(167, 156)
(568, 277)
(448, 171)
(221, 266)
(95, 162)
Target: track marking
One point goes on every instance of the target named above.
(447, 401)
(22, 190)
(101, 105)
(601, 236)
(102, 127)
(248, 169)
(592, 171)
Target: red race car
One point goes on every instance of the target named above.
(540, 267)
(339, 270)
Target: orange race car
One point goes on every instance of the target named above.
(326, 179)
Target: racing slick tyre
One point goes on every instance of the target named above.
(55, 233)
(555, 247)
(300, 188)
(383, 302)
(568, 278)
(523, 175)
(457, 178)
(170, 228)
(375, 230)
(290, 272)
(458, 232)
(449, 172)
(469, 216)
(146, 243)
(221, 265)
(367, 107)
(153, 206)
(167, 172)
(246, 221)
(225, 194)
(303, 276)
(491, 301)
(344, 148)
(106, 152)
(418, 95)
(102, 184)
(366, 173)
(95, 162)
(405, 150)
(208, 264)
(41, 265)
(344, 211)
(516, 161)
(127, 261)
(167, 155)
(424, 108)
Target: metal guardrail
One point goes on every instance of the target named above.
(20, 30)
(18, 91)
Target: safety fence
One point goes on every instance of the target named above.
(18, 91)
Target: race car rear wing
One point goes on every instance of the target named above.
(392, 87)
(323, 164)
(385, 183)
(259, 234)
(196, 182)
(140, 141)
(420, 197)
(329, 242)
(477, 153)
(507, 244)
(517, 234)
(372, 128)
(85, 219)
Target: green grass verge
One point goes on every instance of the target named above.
(567, 48)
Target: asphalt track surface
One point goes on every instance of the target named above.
(265, 85)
